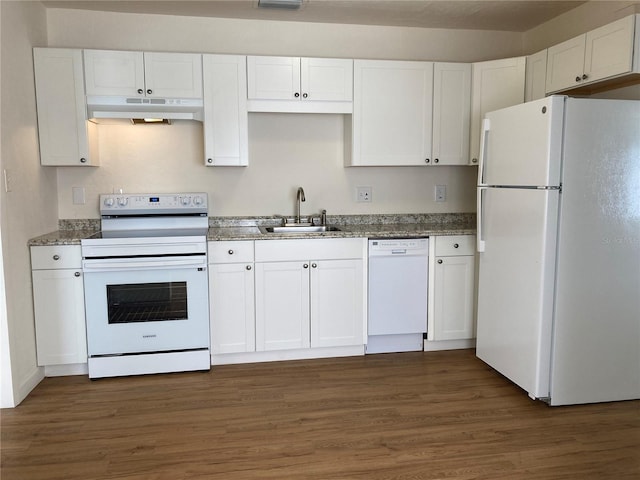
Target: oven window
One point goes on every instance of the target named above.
(147, 302)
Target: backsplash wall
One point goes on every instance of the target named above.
(285, 151)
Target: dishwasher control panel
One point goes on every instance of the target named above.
(399, 246)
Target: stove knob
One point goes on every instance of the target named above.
(197, 200)
(108, 202)
(186, 200)
(122, 201)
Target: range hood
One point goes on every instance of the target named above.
(114, 107)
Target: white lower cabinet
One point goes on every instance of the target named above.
(452, 288)
(231, 297)
(58, 301)
(309, 293)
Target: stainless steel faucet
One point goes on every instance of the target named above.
(299, 198)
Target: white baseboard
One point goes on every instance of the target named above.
(434, 346)
(276, 356)
(29, 383)
(65, 370)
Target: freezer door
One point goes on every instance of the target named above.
(516, 284)
(596, 354)
(522, 145)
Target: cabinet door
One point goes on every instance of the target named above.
(535, 83)
(451, 113)
(337, 312)
(609, 50)
(496, 84)
(326, 79)
(225, 110)
(273, 78)
(66, 138)
(58, 300)
(282, 305)
(565, 64)
(173, 75)
(231, 306)
(392, 113)
(453, 298)
(109, 72)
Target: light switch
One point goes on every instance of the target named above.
(78, 195)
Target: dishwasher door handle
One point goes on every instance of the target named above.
(399, 252)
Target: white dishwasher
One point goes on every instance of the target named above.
(397, 298)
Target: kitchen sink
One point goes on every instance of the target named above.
(299, 229)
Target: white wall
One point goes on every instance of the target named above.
(27, 210)
(285, 150)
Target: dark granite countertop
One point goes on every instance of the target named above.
(247, 228)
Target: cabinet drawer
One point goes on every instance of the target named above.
(448, 246)
(56, 256)
(310, 249)
(231, 252)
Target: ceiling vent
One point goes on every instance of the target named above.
(283, 4)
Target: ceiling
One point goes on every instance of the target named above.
(505, 15)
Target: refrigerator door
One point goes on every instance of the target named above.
(516, 284)
(596, 351)
(522, 145)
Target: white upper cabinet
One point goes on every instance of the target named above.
(536, 77)
(451, 113)
(225, 110)
(596, 55)
(392, 113)
(66, 138)
(293, 84)
(138, 74)
(495, 84)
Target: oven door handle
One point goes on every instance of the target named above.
(91, 266)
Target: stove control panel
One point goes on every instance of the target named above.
(156, 203)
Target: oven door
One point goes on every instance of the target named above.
(149, 304)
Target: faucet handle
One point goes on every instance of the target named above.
(323, 217)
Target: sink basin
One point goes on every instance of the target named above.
(300, 229)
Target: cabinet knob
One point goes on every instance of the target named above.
(83, 160)
(149, 91)
(77, 274)
(248, 267)
(56, 257)
(427, 160)
(140, 91)
(436, 161)
(440, 261)
(455, 245)
(209, 160)
(306, 265)
(584, 76)
(230, 252)
(578, 78)
(474, 160)
(305, 95)
(296, 94)
(314, 265)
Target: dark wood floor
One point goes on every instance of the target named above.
(430, 415)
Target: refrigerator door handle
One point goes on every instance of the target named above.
(486, 126)
(479, 221)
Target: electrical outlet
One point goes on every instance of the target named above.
(78, 196)
(364, 194)
(441, 193)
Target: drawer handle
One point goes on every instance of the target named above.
(440, 261)
(455, 245)
(230, 252)
(77, 274)
(56, 257)
(248, 267)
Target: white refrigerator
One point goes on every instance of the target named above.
(559, 248)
